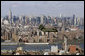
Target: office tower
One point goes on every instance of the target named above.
(49, 20)
(23, 20)
(17, 20)
(38, 20)
(10, 21)
(10, 16)
(14, 17)
(44, 20)
(41, 19)
(78, 21)
(52, 20)
(70, 20)
(30, 17)
(20, 19)
(74, 20)
(33, 21)
(26, 20)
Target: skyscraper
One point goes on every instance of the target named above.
(20, 19)
(74, 20)
(42, 19)
(49, 19)
(10, 17)
(78, 21)
(11, 22)
(38, 20)
(30, 17)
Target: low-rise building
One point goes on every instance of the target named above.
(54, 48)
(72, 48)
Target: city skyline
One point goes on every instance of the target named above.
(42, 28)
(48, 8)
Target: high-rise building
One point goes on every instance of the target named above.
(41, 19)
(10, 17)
(38, 20)
(33, 21)
(30, 17)
(44, 20)
(78, 21)
(74, 20)
(26, 20)
(49, 19)
(20, 19)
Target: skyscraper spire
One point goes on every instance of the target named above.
(10, 14)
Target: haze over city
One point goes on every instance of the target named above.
(42, 28)
(37, 8)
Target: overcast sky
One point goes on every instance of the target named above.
(53, 8)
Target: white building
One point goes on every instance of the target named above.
(54, 48)
(61, 52)
(6, 22)
(73, 29)
(60, 24)
(46, 53)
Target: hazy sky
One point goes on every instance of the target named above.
(54, 8)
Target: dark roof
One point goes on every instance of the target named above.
(50, 30)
